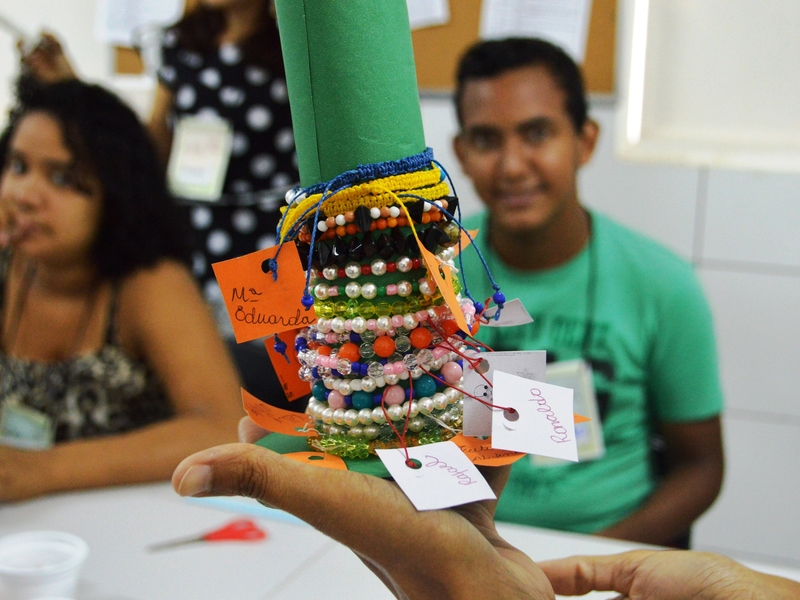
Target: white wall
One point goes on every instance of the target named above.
(740, 229)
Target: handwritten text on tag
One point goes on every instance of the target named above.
(543, 422)
(258, 304)
(445, 476)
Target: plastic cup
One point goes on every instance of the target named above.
(40, 564)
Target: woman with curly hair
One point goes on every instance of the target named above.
(111, 368)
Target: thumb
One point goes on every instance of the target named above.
(578, 575)
(324, 498)
(231, 470)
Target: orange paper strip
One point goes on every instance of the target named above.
(293, 386)
(465, 241)
(580, 418)
(257, 305)
(318, 459)
(480, 452)
(442, 275)
(275, 419)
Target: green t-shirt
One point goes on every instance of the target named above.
(653, 355)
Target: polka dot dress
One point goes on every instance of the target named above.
(263, 162)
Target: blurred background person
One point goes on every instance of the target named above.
(634, 312)
(223, 61)
(111, 368)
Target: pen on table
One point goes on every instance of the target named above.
(243, 530)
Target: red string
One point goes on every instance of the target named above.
(481, 400)
(400, 436)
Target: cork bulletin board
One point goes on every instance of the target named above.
(437, 49)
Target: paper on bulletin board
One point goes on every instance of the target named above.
(118, 22)
(563, 22)
(427, 13)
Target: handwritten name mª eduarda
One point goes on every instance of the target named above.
(251, 317)
(463, 478)
(240, 295)
(560, 432)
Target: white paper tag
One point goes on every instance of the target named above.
(446, 477)
(198, 160)
(477, 416)
(543, 422)
(577, 375)
(513, 314)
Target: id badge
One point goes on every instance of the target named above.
(24, 427)
(577, 375)
(199, 157)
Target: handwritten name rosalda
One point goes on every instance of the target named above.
(463, 478)
(560, 432)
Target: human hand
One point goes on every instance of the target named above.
(47, 61)
(463, 555)
(666, 575)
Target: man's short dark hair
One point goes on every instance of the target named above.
(140, 223)
(491, 58)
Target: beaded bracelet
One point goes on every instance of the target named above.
(370, 423)
(328, 309)
(370, 291)
(378, 267)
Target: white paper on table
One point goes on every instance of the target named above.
(445, 478)
(426, 13)
(119, 21)
(544, 423)
(477, 416)
(563, 22)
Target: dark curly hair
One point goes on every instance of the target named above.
(140, 223)
(199, 30)
(488, 59)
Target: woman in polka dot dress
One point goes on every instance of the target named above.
(224, 59)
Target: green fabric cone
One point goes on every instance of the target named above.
(352, 84)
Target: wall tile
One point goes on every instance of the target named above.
(658, 201)
(753, 218)
(758, 336)
(756, 515)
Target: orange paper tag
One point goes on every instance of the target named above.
(318, 459)
(580, 418)
(465, 241)
(480, 452)
(287, 372)
(275, 419)
(257, 304)
(442, 275)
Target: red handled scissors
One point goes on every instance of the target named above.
(243, 530)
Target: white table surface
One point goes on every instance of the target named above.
(294, 563)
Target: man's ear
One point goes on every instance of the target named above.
(588, 140)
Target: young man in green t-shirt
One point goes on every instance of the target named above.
(597, 291)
